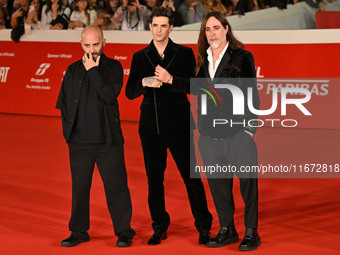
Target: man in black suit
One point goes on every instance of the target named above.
(161, 73)
(221, 56)
(91, 127)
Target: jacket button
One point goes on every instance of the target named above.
(76, 101)
(79, 81)
(71, 120)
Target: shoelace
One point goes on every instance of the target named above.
(249, 234)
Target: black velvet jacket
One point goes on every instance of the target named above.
(108, 79)
(235, 65)
(164, 110)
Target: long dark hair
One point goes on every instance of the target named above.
(202, 43)
(40, 5)
(86, 11)
(49, 6)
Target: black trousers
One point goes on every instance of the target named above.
(111, 164)
(240, 150)
(155, 156)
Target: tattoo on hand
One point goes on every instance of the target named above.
(149, 80)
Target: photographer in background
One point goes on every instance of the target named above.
(19, 13)
(105, 21)
(170, 5)
(18, 19)
(132, 15)
(33, 17)
(192, 11)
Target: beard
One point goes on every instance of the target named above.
(96, 54)
(216, 45)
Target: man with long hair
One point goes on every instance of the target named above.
(161, 74)
(221, 56)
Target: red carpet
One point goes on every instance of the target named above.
(297, 216)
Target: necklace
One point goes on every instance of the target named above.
(162, 55)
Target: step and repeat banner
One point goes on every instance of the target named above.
(31, 72)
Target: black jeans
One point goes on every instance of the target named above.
(155, 156)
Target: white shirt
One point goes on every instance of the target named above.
(47, 18)
(212, 70)
(81, 17)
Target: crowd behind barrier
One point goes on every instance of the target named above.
(24, 15)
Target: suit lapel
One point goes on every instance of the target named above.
(152, 55)
(225, 59)
(206, 67)
(169, 54)
(206, 71)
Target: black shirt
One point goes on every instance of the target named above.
(87, 127)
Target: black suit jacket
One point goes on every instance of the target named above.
(164, 110)
(237, 68)
(108, 78)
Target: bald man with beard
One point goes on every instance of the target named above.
(91, 127)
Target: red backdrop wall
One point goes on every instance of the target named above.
(31, 74)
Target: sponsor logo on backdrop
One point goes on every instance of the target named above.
(7, 54)
(59, 55)
(4, 73)
(120, 57)
(42, 69)
(40, 83)
(318, 87)
(258, 72)
(62, 78)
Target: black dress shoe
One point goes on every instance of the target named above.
(204, 237)
(226, 235)
(251, 240)
(124, 241)
(75, 239)
(156, 238)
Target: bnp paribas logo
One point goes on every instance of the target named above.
(42, 69)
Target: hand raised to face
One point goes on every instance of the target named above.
(89, 62)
